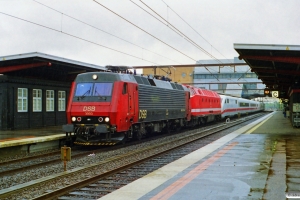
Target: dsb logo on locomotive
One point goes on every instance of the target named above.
(89, 110)
(143, 114)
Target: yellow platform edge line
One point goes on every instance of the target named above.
(258, 125)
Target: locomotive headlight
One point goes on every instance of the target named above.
(78, 119)
(73, 119)
(95, 77)
(106, 119)
(100, 119)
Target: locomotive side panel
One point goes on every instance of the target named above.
(157, 104)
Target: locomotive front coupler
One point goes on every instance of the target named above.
(113, 128)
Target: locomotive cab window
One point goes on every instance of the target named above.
(83, 89)
(90, 89)
(102, 89)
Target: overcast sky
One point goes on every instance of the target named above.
(104, 38)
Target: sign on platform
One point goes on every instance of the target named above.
(296, 107)
(275, 94)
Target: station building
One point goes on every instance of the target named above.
(34, 88)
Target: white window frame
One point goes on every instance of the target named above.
(61, 100)
(50, 100)
(37, 100)
(22, 99)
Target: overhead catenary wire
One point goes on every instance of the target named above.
(144, 31)
(181, 33)
(194, 30)
(74, 36)
(78, 20)
(61, 30)
(177, 31)
(173, 27)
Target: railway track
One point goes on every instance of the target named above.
(63, 183)
(37, 161)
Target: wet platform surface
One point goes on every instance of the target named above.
(11, 138)
(259, 161)
(36, 132)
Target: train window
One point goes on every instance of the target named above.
(102, 89)
(124, 91)
(242, 104)
(83, 89)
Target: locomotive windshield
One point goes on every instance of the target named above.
(93, 89)
(84, 89)
(102, 89)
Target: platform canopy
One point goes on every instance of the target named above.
(278, 66)
(44, 66)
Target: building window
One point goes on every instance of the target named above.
(225, 76)
(250, 86)
(61, 101)
(22, 99)
(37, 100)
(222, 86)
(49, 100)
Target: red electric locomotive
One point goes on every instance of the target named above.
(105, 108)
(205, 105)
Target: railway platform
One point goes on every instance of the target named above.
(18, 141)
(258, 161)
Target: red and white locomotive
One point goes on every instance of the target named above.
(106, 108)
(205, 105)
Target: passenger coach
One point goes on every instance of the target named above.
(232, 106)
